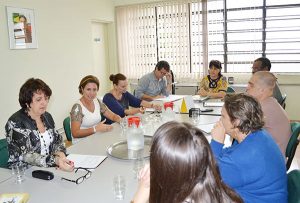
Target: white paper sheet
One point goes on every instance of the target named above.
(206, 127)
(86, 161)
(200, 98)
(170, 98)
(214, 103)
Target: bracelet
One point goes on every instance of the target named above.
(94, 127)
(56, 157)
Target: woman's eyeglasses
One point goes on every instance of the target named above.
(81, 178)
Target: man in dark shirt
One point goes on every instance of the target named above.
(264, 64)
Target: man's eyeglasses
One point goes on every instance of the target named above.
(80, 179)
(163, 73)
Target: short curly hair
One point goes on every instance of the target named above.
(31, 86)
(88, 79)
(246, 109)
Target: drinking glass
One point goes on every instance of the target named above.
(124, 125)
(119, 186)
(195, 117)
(138, 164)
(18, 170)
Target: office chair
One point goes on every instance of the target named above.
(173, 84)
(294, 186)
(292, 144)
(67, 128)
(282, 103)
(230, 90)
(3, 153)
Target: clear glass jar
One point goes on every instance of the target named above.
(135, 134)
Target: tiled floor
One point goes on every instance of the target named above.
(296, 160)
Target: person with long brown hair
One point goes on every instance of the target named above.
(182, 169)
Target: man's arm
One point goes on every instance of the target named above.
(151, 98)
(141, 88)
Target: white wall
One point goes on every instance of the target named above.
(64, 54)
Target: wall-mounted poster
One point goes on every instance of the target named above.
(21, 28)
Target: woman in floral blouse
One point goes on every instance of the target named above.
(30, 132)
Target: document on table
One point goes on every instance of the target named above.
(200, 98)
(170, 98)
(86, 161)
(214, 103)
(206, 127)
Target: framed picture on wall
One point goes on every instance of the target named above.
(21, 28)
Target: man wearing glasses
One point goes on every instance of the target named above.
(156, 84)
(264, 64)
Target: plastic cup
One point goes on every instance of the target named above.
(195, 117)
(18, 170)
(138, 164)
(119, 187)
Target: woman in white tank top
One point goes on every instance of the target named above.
(86, 113)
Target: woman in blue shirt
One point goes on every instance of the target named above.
(253, 166)
(118, 100)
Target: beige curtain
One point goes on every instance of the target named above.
(161, 31)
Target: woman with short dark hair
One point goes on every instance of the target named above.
(253, 166)
(182, 169)
(214, 85)
(30, 132)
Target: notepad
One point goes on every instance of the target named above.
(86, 161)
(14, 197)
(214, 103)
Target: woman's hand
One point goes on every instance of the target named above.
(133, 111)
(141, 110)
(142, 194)
(101, 127)
(218, 132)
(157, 107)
(202, 92)
(63, 163)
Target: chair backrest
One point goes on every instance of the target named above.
(294, 186)
(230, 90)
(292, 144)
(3, 153)
(67, 128)
(282, 102)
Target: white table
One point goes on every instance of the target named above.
(98, 188)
